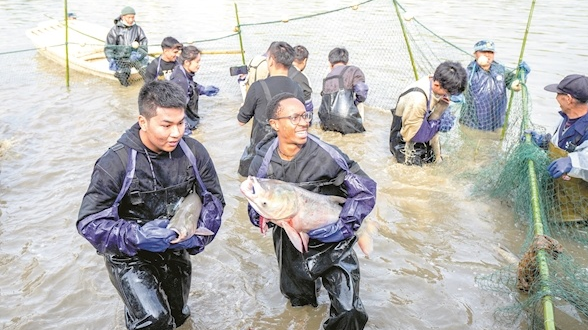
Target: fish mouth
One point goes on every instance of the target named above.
(248, 186)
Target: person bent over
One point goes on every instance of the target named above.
(416, 119)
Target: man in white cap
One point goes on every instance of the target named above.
(126, 47)
(486, 95)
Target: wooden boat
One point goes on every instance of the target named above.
(86, 46)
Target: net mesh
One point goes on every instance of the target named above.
(552, 213)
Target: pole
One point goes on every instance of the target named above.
(518, 69)
(66, 45)
(416, 75)
(238, 30)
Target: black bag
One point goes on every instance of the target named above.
(338, 111)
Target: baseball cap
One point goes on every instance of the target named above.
(171, 42)
(484, 46)
(575, 84)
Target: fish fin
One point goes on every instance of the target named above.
(304, 238)
(366, 243)
(294, 237)
(364, 237)
(337, 199)
(203, 231)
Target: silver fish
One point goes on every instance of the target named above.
(295, 209)
(185, 220)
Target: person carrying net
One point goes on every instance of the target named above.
(485, 97)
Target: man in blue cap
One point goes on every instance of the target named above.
(485, 98)
(126, 47)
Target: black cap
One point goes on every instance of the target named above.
(575, 84)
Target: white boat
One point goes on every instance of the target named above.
(86, 46)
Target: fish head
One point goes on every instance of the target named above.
(272, 199)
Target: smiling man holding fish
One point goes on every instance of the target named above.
(292, 155)
(153, 174)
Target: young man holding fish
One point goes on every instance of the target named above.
(292, 155)
(151, 176)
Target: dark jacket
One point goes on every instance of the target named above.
(120, 38)
(159, 69)
(255, 105)
(170, 174)
(314, 169)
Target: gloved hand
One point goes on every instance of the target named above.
(446, 121)
(207, 90)
(112, 66)
(525, 67)
(154, 236)
(458, 98)
(332, 233)
(560, 167)
(138, 55)
(191, 243)
(540, 139)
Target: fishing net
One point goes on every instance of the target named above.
(550, 278)
(547, 279)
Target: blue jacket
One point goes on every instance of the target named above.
(485, 96)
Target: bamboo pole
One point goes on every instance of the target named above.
(414, 69)
(66, 44)
(505, 125)
(238, 30)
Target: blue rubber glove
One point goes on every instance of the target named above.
(446, 121)
(540, 139)
(112, 66)
(154, 236)
(458, 98)
(332, 233)
(193, 243)
(560, 167)
(525, 67)
(208, 90)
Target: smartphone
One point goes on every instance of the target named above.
(237, 70)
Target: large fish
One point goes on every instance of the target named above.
(185, 220)
(295, 209)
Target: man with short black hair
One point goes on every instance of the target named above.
(293, 155)
(279, 59)
(295, 72)
(344, 91)
(162, 67)
(414, 134)
(135, 190)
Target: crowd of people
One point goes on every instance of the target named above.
(138, 183)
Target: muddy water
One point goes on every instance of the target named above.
(434, 237)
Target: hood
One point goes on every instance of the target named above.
(264, 144)
(120, 22)
(131, 139)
